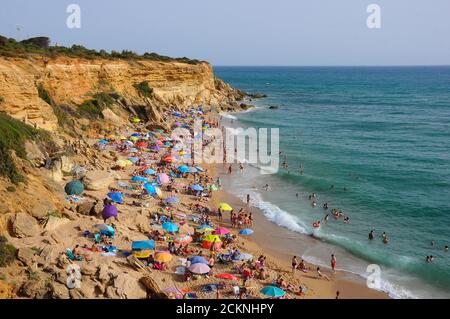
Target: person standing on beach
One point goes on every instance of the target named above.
(294, 263)
(333, 263)
(248, 200)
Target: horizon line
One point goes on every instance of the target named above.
(334, 66)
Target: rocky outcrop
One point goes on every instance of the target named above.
(23, 225)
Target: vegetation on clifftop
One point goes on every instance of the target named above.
(7, 252)
(41, 46)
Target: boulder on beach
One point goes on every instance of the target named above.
(97, 180)
(23, 225)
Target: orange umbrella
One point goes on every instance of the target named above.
(227, 276)
(163, 256)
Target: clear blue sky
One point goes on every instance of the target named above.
(247, 32)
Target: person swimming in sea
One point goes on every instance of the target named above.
(296, 195)
(384, 238)
(326, 217)
(266, 187)
(325, 206)
(446, 248)
(371, 235)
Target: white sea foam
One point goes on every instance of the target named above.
(228, 116)
(275, 214)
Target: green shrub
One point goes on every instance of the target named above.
(144, 89)
(13, 134)
(1, 99)
(11, 189)
(7, 252)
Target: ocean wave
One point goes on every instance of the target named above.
(275, 214)
(228, 116)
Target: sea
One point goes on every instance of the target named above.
(372, 142)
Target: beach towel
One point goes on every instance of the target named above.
(71, 256)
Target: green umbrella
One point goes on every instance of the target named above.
(74, 188)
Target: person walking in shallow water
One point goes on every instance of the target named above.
(333, 262)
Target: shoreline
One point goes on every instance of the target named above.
(279, 243)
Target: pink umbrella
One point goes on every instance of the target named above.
(199, 268)
(163, 178)
(221, 231)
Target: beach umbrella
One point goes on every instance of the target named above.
(183, 240)
(143, 244)
(196, 187)
(246, 232)
(149, 172)
(136, 134)
(163, 178)
(103, 141)
(212, 238)
(141, 144)
(74, 188)
(109, 211)
(150, 188)
(182, 152)
(158, 192)
(159, 143)
(225, 207)
(155, 148)
(205, 227)
(198, 260)
(169, 159)
(141, 254)
(272, 291)
(163, 256)
(133, 159)
(171, 200)
(139, 179)
(183, 169)
(199, 268)
(199, 169)
(221, 231)
(170, 227)
(136, 120)
(116, 197)
(134, 138)
(227, 276)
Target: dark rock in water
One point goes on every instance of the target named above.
(273, 107)
(245, 106)
(257, 95)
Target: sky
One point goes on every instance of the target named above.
(246, 32)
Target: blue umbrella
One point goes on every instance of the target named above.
(103, 141)
(197, 187)
(200, 169)
(139, 179)
(116, 197)
(150, 188)
(272, 291)
(170, 227)
(198, 260)
(171, 200)
(183, 169)
(246, 232)
(143, 244)
(136, 134)
(149, 172)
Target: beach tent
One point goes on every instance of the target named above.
(225, 207)
(170, 227)
(74, 188)
(272, 291)
(143, 244)
(246, 232)
(198, 260)
(199, 268)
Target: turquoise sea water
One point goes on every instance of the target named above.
(381, 136)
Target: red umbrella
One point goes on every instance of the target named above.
(141, 144)
(169, 159)
(227, 276)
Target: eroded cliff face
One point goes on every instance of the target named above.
(70, 81)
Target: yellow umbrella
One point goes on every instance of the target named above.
(112, 137)
(212, 238)
(204, 230)
(225, 206)
(134, 138)
(136, 120)
(128, 163)
(182, 153)
(163, 257)
(123, 137)
(142, 253)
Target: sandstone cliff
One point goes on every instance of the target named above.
(70, 81)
